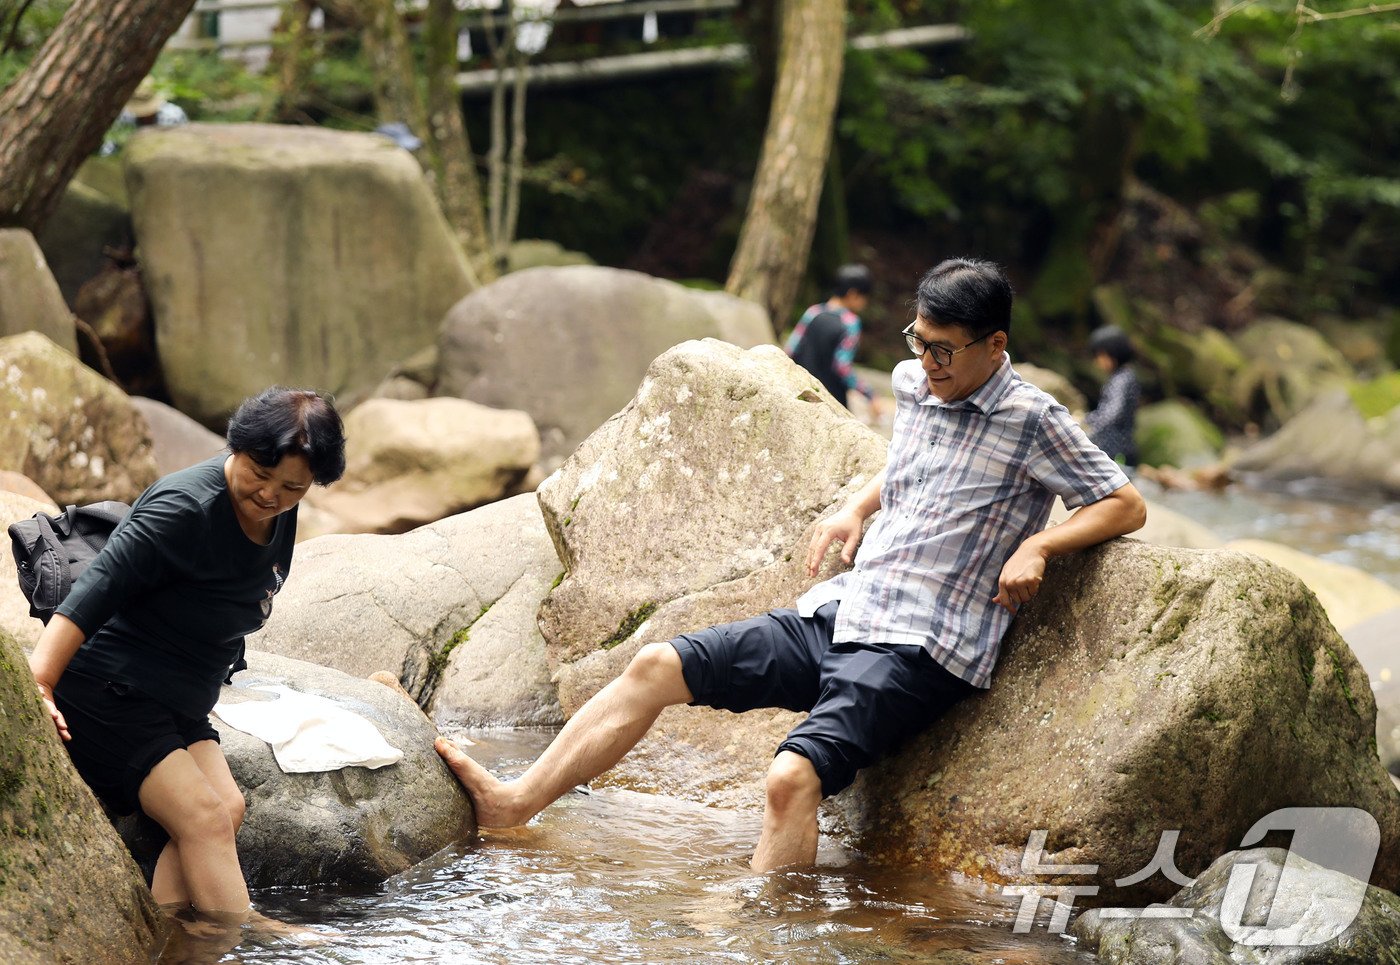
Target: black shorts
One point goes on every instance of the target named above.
(864, 699)
(119, 734)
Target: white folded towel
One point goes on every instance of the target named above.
(309, 733)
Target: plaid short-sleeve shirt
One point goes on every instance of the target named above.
(966, 483)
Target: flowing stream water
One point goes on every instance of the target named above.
(614, 876)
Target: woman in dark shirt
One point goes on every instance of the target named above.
(131, 664)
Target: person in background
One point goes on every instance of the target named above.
(1112, 423)
(147, 108)
(130, 665)
(827, 335)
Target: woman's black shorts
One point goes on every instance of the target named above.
(119, 734)
(864, 699)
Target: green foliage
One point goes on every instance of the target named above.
(210, 87)
(1378, 397)
(23, 32)
(1289, 134)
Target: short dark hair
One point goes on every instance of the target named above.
(969, 292)
(852, 277)
(1113, 342)
(279, 420)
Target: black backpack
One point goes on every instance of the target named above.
(51, 551)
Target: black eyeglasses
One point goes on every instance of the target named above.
(941, 355)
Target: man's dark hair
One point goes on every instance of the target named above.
(1113, 342)
(968, 292)
(278, 421)
(849, 278)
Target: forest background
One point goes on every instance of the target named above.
(1217, 162)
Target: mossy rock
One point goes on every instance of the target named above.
(69, 891)
(1287, 365)
(1361, 342)
(70, 430)
(1377, 397)
(1176, 433)
(1201, 365)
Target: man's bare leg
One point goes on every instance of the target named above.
(789, 835)
(597, 737)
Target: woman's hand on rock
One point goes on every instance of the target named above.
(46, 695)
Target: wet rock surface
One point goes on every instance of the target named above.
(353, 826)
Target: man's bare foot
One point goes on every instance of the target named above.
(496, 802)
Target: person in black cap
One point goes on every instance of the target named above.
(1112, 423)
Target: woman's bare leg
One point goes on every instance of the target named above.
(597, 737)
(179, 796)
(168, 884)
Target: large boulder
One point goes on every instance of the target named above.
(449, 607)
(1175, 433)
(1283, 893)
(32, 302)
(694, 506)
(69, 892)
(569, 345)
(1332, 440)
(1052, 382)
(1144, 689)
(1376, 643)
(1349, 595)
(1286, 366)
(413, 462)
(281, 254)
(69, 429)
(14, 608)
(177, 441)
(354, 826)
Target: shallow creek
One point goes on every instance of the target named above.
(620, 877)
(615, 876)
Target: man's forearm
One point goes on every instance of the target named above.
(1117, 514)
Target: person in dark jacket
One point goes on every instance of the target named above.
(1114, 420)
(131, 663)
(828, 333)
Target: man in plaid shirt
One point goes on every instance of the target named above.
(878, 652)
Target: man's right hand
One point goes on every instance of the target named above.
(845, 527)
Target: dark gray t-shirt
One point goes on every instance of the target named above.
(167, 602)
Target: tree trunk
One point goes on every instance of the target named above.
(291, 61)
(450, 150)
(396, 96)
(777, 234)
(56, 112)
